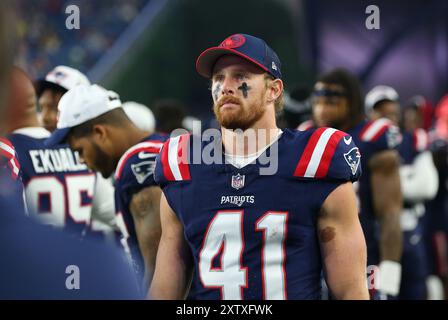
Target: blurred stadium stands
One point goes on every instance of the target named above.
(44, 43)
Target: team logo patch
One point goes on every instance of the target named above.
(143, 170)
(353, 158)
(235, 41)
(238, 181)
(393, 137)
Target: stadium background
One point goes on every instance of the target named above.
(145, 50)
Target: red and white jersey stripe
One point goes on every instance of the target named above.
(373, 130)
(316, 158)
(7, 151)
(421, 140)
(147, 146)
(175, 159)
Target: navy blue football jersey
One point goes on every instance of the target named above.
(412, 145)
(414, 257)
(11, 188)
(135, 171)
(58, 188)
(254, 235)
(372, 137)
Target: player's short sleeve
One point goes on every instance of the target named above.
(172, 163)
(420, 140)
(135, 170)
(381, 135)
(329, 154)
(11, 187)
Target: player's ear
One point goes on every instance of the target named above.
(275, 89)
(100, 132)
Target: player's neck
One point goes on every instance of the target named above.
(250, 141)
(130, 136)
(27, 121)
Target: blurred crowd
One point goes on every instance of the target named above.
(46, 42)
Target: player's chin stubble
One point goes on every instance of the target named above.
(241, 117)
(103, 163)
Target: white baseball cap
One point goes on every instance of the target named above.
(63, 78)
(79, 105)
(140, 115)
(380, 93)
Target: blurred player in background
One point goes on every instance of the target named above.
(11, 188)
(35, 258)
(49, 92)
(436, 221)
(59, 189)
(297, 108)
(169, 114)
(337, 103)
(231, 231)
(419, 183)
(51, 89)
(94, 123)
(140, 115)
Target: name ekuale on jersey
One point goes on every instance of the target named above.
(55, 160)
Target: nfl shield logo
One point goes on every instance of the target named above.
(238, 181)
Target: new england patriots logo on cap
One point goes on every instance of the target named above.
(234, 41)
(353, 158)
(143, 170)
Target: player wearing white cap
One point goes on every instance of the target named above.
(94, 123)
(419, 183)
(49, 92)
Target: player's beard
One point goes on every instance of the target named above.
(242, 117)
(103, 162)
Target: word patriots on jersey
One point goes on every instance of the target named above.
(237, 200)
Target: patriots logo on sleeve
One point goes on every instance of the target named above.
(143, 170)
(393, 137)
(353, 158)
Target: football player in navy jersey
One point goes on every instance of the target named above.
(49, 92)
(11, 187)
(419, 183)
(59, 189)
(35, 259)
(230, 230)
(51, 89)
(94, 123)
(337, 103)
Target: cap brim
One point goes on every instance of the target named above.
(207, 59)
(58, 136)
(43, 84)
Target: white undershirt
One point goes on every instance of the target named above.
(242, 161)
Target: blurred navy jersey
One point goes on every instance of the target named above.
(412, 145)
(58, 188)
(414, 257)
(436, 217)
(372, 137)
(40, 262)
(253, 233)
(11, 187)
(135, 171)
